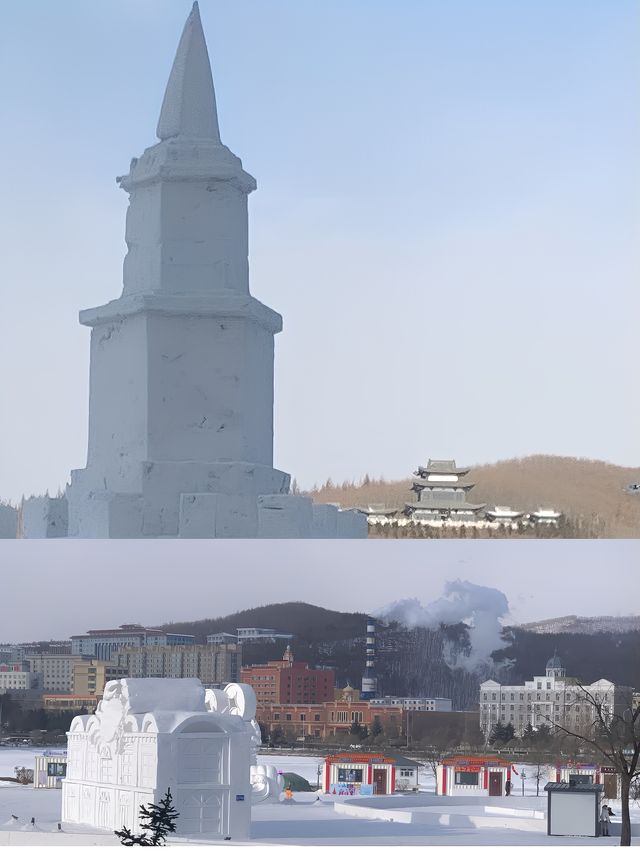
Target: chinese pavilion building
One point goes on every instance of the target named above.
(441, 493)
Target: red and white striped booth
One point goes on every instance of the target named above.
(590, 774)
(479, 775)
(349, 772)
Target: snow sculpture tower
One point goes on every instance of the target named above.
(181, 378)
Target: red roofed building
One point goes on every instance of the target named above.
(287, 681)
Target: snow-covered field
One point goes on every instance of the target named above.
(413, 819)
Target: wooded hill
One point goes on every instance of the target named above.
(586, 490)
(423, 661)
(308, 622)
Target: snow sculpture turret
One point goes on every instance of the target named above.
(150, 734)
(240, 700)
(181, 376)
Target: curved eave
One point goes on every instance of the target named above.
(451, 507)
(507, 517)
(425, 472)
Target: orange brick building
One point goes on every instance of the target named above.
(326, 719)
(286, 680)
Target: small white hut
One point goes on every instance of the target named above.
(152, 734)
(50, 769)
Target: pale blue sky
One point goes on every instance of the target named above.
(446, 216)
(538, 578)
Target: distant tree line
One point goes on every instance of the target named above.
(15, 718)
(567, 528)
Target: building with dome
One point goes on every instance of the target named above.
(550, 699)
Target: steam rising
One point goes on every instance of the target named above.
(480, 607)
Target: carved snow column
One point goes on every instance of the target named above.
(181, 383)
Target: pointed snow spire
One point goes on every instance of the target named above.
(189, 105)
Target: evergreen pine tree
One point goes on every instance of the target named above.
(376, 727)
(497, 733)
(356, 729)
(157, 820)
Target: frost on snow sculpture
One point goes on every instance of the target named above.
(181, 376)
(150, 734)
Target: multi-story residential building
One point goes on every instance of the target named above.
(212, 664)
(410, 703)
(264, 635)
(12, 678)
(549, 699)
(15, 652)
(56, 670)
(17, 666)
(79, 704)
(90, 676)
(222, 637)
(9, 653)
(286, 680)
(101, 644)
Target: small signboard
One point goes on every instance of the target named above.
(343, 789)
(366, 790)
(239, 798)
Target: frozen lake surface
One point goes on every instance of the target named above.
(308, 821)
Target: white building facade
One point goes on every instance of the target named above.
(56, 671)
(411, 703)
(20, 680)
(102, 644)
(547, 699)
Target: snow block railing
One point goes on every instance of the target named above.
(373, 813)
(423, 811)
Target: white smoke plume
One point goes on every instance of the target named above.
(482, 608)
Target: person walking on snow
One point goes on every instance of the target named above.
(604, 819)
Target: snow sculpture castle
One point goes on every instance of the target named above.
(181, 378)
(150, 734)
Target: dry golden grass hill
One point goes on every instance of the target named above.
(580, 488)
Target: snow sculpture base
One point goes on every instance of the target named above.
(44, 518)
(151, 734)
(8, 522)
(161, 509)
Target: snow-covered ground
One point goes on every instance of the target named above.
(408, 820)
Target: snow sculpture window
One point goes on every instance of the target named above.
(198, 760)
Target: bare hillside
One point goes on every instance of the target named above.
(581, 488)
(583, 625)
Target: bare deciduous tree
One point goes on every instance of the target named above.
(614, 734)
